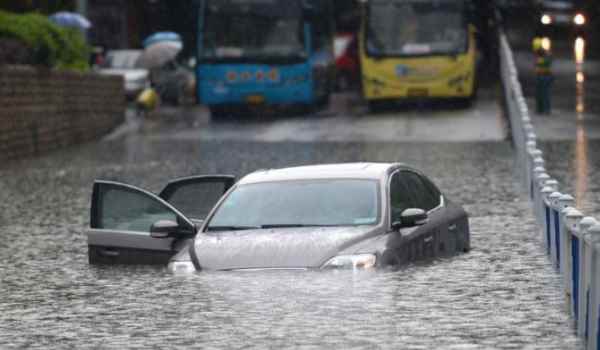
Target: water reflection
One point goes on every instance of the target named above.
(581, 151)
(504, 294)
(547, 44)
(579, 51)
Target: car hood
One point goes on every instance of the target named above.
(275, 248)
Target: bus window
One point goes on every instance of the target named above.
(251, 31)
(400, 29)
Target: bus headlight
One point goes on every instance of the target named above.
(579, 19)
(356, 262)
(546, 19)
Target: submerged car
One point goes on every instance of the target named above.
(360, 215)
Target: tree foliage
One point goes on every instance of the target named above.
(48, 44)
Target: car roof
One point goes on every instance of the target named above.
(371, 171)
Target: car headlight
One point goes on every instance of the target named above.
(546, 19)
(181, 267)
(579, 19)
(360, 261)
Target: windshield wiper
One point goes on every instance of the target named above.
(284, 226)
(232, 228)
(295, 225)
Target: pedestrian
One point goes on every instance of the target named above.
(544, 77)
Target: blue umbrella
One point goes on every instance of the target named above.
(161, 37)
(70, 19)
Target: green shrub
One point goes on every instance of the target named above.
(49, 44)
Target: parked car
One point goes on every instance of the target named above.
(123, 63)
(359, 216)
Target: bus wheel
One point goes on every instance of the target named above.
(323, 102)
(468, 102)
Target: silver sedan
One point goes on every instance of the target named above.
(360, 215)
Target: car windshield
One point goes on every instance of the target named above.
(298, 204)
(236, 29)
(416, 28)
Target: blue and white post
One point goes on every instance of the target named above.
(594, 313)
(537, 171)
(583, 274)
(546, 216)
(571, 219)
(530, 146)
(538, 198)
(554, 227)
(564, 202)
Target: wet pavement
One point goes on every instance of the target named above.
(502, 295)
(572, 132)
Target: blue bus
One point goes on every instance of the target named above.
(264, 53)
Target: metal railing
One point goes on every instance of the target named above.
(571, 239)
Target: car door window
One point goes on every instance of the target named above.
(434, 193)
(424, 197)
(121, 208)
(401, 196)
(196, 196)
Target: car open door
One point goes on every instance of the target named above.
(132, 226)
(196, 196)
(124, 217)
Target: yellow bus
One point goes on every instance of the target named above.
(416, 49)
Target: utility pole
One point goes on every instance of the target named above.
(82, 7)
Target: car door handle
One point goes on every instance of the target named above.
(428, 239)
(109, 253)
(452, 227)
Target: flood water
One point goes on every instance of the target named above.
(504, 294)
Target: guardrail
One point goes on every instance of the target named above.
(572, 240)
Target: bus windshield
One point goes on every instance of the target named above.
(252, 29)
(406, 28)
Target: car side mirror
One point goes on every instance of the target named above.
(163, 229)
(411, 218)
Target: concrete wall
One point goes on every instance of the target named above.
(42, 110)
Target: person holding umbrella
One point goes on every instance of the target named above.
(159, 58)
(71, 20)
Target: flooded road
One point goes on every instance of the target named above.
(502, 295)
